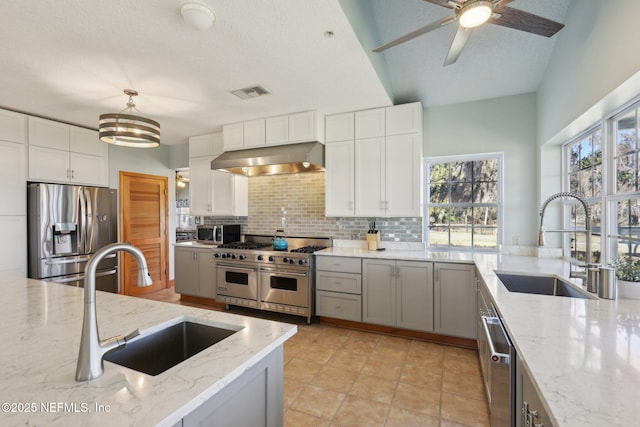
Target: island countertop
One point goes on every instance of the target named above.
(583, 354)
(41, 325)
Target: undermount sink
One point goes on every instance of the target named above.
(541, 285)
(155, 353)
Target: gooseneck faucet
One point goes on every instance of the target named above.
(92, 348)
(587, 230)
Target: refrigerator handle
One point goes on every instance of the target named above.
(88, 219)
(83, 220)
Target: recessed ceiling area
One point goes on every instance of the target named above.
(70, 60)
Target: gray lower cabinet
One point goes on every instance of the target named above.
(455, 300)
(339, 288)
(256, 398)
(529, 409)
(398, 293)
(195, 272)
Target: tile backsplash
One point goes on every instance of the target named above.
(297, 201)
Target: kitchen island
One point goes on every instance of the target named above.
(41, 325)
(583, 354)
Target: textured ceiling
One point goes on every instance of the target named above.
(69, 60)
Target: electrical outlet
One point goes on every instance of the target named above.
(516, 240)
(355, 235)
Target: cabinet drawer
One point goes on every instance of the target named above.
(341, 264)
(339, 306)
(339, 282)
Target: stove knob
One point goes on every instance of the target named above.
(285, 260)
(260, 257)
(301, 262)
(233, 256)
(292, 261)
(271, 258)
(216, 255)
(242, 257)
(223, 256)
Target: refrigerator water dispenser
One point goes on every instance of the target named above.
(65, 238)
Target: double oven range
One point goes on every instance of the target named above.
(251, 274)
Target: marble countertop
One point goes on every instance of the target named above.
(195, 244)
(583, 354)
(40, 336)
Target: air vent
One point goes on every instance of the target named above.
(251, 92)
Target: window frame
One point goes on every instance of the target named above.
(610, 196)
(426, 167)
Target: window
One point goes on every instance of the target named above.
(603, 166)
(463, 201)
(625, 233)
(585, 163)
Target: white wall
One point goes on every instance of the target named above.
(594, 70)
(505, 125)
(151, 161)
(596, 52)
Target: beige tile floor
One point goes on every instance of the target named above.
(341, 377)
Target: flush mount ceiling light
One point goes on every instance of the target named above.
(180, 180)
(128, 129)
(475, 13)
(197, 15)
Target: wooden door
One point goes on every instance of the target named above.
(144, 223)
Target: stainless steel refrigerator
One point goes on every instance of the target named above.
(66, 225)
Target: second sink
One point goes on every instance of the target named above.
(541, 285)
(157, 352)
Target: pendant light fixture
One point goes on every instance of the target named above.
(129, 129)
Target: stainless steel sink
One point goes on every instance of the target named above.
(541, 285)
(157, 352)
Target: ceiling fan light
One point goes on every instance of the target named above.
(475, 13)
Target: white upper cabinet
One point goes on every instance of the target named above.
(68, 154)
(370, 180)
(47, 133)
(381, 176)
(403, 155)
(369, 123)
(306, 126)
(293, 128)
(206, 145)
(277, 130)
(233, 136)
(339, 178)
(13, 127)
(86, 141)
(211, 192)
(403, 119)
(254, 133)
(339, 127)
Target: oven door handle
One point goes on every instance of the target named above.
(281, 272)
(496, 356)
(236, 268)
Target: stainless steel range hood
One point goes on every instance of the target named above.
(272, 160)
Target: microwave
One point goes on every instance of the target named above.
(218, 234)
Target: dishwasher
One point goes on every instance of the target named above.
(497, 361)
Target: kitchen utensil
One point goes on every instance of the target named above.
(280, 241)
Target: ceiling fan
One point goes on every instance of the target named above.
(473, 13)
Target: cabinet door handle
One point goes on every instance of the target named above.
(72, 173)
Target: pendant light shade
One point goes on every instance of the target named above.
(128, 129)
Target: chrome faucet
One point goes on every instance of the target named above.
(92, 348)
(587, 231)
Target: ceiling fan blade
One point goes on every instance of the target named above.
(462, 35)
(525, 21)
(416, 33)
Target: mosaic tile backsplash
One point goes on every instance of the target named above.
(297, 202)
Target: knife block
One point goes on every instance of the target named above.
(373, 241)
